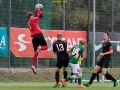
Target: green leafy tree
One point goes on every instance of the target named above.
(76, 14)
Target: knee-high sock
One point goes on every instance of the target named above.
(71, 78)
(34, 59)
(71, 72)
(80, 78)
(36, 54)
(109, 77)
(98, 77)
(92, 78)
(57, 75)
(65, 74)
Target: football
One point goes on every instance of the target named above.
(38, 6)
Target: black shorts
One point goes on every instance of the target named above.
(62, 61)
(103, 63)
(37, 40)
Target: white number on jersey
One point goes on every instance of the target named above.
(74, 51)
(60, 47)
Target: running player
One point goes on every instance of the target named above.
(60, 48)
(104, 60)
(77, 51)
(79, 62)
(38, 40)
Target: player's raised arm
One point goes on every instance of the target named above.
(37, 16)
(38, 40)
(38, 11)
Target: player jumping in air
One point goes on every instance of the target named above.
(77, 51)
(38, 40)
(60, 48)
(104, 60)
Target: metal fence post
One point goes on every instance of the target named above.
(37, 58)
(94, 15)
(88, 29)
(9, 25)
(37, 1)
(63, 14)
(112, 15)
(112, 20)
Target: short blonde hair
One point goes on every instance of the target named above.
(82, 41)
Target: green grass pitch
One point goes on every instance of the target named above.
(48, 86)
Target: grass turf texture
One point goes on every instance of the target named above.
(48, 86)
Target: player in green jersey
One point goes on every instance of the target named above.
(76, 52)
(79, 62)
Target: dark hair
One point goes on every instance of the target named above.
(107, 33)
(29, 14)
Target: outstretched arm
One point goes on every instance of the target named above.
(38, 15)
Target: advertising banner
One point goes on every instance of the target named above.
(21, 42)
(3, 42)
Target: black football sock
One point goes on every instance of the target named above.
(57, 76)
(92, 78)
(65, 74)
(98, 77)
(109, 77)
(71, 73)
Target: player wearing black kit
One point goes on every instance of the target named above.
(60, 48)
(104, 60)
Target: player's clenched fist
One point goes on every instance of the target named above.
(38, 6)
